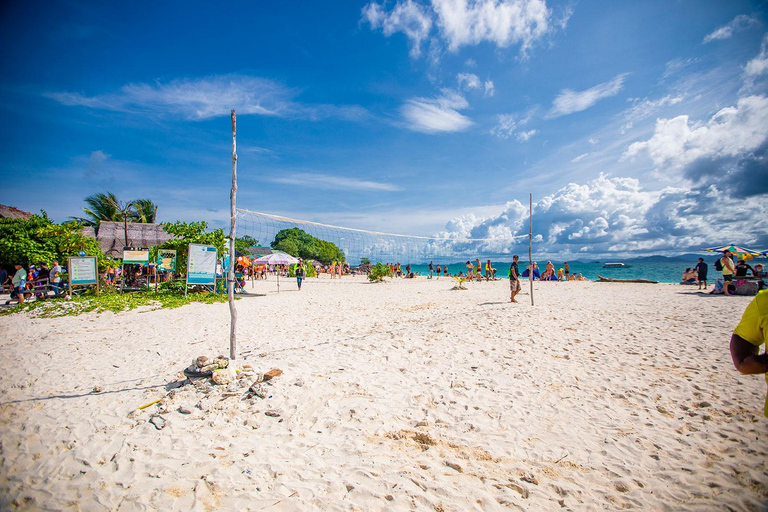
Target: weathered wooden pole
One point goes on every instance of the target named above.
(530, 242)
(232, 234)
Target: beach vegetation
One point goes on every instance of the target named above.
(460, 280)
(243, 243)
(107, 207)
(378, 272)
(185, 233)
(112, 301)
(30, 241)
(301, 244)
(365, 262)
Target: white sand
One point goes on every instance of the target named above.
(396, 396)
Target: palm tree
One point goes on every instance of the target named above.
(106, 207)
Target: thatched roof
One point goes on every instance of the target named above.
(111, 236)
(10, 212)
(259, 251)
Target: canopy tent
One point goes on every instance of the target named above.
(276, 258)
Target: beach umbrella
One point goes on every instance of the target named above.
(741, 252)
(277, 258)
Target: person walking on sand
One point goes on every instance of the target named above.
(701, 273)
(752, 332)
(728, 270)
(514, 279)
(567, 270)
(19, 283)
(431, 268)
(300, 273)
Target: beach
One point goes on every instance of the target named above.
(402, 395)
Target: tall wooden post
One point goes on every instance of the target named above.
(232, 234)
(530, 242)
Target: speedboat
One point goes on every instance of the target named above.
(616, 265)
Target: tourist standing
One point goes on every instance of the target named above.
(300, 273)
(19, 283)
(431, 268)
(54, 277)
(728, 270)
(701, 273)
(514, 279)
(567, 270)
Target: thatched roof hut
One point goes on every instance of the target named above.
(111, 236)
(259, 251)
(10, 212)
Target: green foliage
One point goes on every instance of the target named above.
(191, 233)
(108, 207)
(364, 262)
(297, 242)
(244, 242)
(38, 239)
(113, 302)
(378, 272)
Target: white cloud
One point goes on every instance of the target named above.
(568, 101)
(593, 141)
(490, 89)
(731, 132)
(502, 22)
(323, 181)
(508, 125)
(740, 22)
(642, 109)
(462, 23)
(525, 136)
(209, 97)
(468, 81)
(580, 157)
(759, 65)
(407, 17)
(432, 115)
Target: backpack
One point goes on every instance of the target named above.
(718, 265)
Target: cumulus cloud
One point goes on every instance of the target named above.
(740, 22)
(615, 215)
(568, 101)
(759, 65)
(731, 132)
(463, 23)
(433, 115)
(410, 18)
(209, 97)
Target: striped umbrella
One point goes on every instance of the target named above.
(741, 252)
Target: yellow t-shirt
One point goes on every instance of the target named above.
(754, 326)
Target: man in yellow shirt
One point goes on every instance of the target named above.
(752, 332)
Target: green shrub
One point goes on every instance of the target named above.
(379, 272)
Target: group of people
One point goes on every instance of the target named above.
(36, 280)
(730, 271)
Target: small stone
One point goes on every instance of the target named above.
(223, 377)
(98, 389)
(701, 405)
(389, 497)
(158, 422)
(271, 374)
(201, 362)
(272, 414)
(221, 361)
(350, 488)
(185, 410)
(299, 383)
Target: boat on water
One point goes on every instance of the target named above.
(616, 265)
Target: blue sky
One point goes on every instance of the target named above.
(639, 127)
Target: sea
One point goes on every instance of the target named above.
(663, 270)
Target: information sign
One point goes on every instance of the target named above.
(166, 260)
(138, 255)
(201, 264)
(83, 270)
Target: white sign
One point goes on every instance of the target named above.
(201, 264)
(83, 270)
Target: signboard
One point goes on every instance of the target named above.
(166, 260)
(83, 270)
(137, 255)
(201, 264)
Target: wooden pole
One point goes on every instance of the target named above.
(231, 271)
(530, 242)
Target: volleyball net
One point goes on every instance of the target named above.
(384, 247)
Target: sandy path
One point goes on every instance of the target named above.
(397, 396)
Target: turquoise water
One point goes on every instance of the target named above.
(664, 272)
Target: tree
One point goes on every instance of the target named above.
(191, 233)
(297, 242)
(37, 239)
(107, 207)
(242, 243)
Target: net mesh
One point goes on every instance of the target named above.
(383, 247)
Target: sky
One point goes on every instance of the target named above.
(637, 127)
